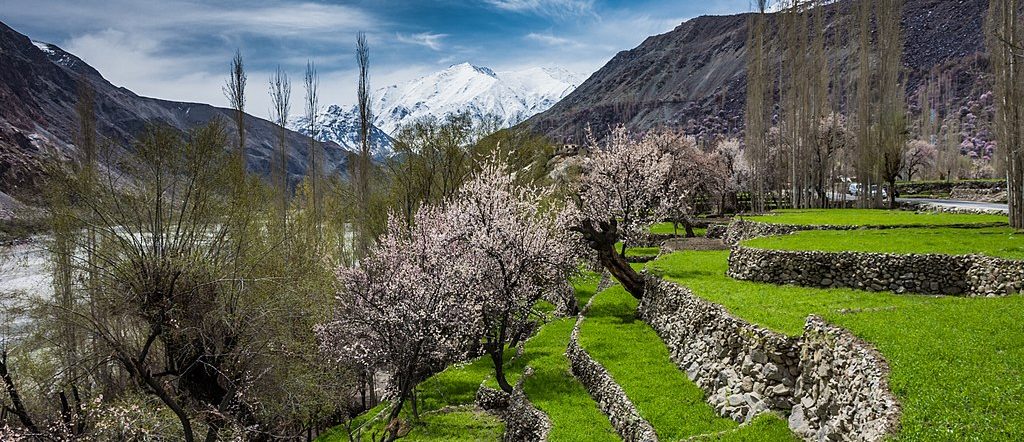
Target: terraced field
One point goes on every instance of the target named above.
(957, 364)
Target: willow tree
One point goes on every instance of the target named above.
(1006, 45)
(759, 103)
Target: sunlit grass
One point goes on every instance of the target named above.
(1003, 242)
(874, 217)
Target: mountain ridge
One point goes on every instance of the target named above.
(693, 77)
(38, 91)
(511, 96)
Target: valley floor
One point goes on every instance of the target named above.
(957, 364)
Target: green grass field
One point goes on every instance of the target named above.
(874, 217)
(639, 362)
(666, 228)
(1002, 242)
(957, 363)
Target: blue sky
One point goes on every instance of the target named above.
(179, 49)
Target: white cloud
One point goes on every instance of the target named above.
(550, 39)
(432, 41)
(550, 8)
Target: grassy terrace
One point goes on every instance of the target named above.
(639, 361)
(666, 228)
(957, 363)
(874, 217)
(1002, 242)
(552, 388)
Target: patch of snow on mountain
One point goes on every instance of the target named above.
(342, 126)
(45, 47)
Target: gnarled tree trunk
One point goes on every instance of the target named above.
(602, 238)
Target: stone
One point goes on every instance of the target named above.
(735, 400)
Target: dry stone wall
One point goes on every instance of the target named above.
(843, 387)
(744, 369)
(523, 421)
(920, 273)
(610, 397)
(970, 275)
(832, 385)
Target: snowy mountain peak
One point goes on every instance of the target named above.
(511, 96)
(468, 67)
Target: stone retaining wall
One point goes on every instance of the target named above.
(994, 195)
(970, 275)
(843, 388)
(832, 385)
(930, 207)
(610, 397)
(523, 421)
(743, 368)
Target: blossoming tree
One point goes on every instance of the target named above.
(515, 254)
(403, 308)
(622, 191)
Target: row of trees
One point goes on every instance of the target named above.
(835, 109)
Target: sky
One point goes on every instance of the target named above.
(180, 49)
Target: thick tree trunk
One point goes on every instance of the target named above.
(602, 238)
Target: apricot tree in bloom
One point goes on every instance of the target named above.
(622, 191)
(403, 309)
(696, 180)
(515, 252)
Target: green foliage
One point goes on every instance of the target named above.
(553, 389)
(956, 362)
(764, 427)
(1002, 242)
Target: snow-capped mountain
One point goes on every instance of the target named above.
(342, 126)
(511, 96)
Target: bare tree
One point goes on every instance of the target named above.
(312, 104)
(280, 97)
(758, 104)
(891, 106)
(1006, 41)
(365, 124)
(234, 90)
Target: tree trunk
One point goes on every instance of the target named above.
(602, 239)
(12, 391)
(892, 193)
(689, 228)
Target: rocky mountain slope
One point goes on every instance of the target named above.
(38, 92)
(694, 76)
(511, 97)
